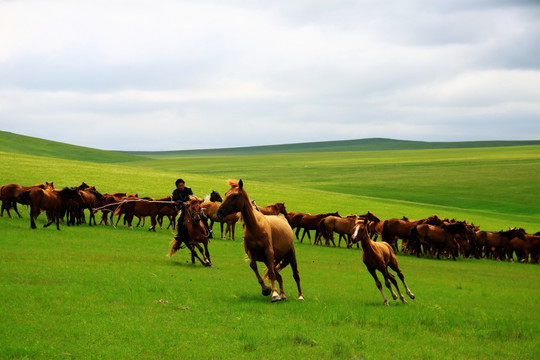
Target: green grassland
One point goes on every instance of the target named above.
(100, 292)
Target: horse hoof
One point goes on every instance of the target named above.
(386, 303)
(284, 298)
(412, 296)
(301, 298)
(276, 298)
(267, 291)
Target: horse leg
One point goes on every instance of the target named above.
(393, 280)
(206, 261)
(279, 279)
(298, 233)
(303, 234)
(152, 223)
(50, 219)
(388, 283)
(207, 253)
(221, 228)
(379, 285)
(32, 217)
(270, 265)
(57, 218)
(296, 275)
(15, 208)
(266, 290)
(193, 253)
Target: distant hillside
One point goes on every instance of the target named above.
(373, 144)
(20, 144)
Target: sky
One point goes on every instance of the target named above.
(174, 75)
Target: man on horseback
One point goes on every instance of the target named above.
(181, 195)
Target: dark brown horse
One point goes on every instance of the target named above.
(267, 238)
(524, 248)
(52, 201)
(343, 226)
(380, 256)
(142, 208)
(272, 209)
(442, 237)
(196, 233)
(294, 219)
(9, 195)
(394, 229)
(91, 199)
(311, 222)
(496, 244)
(110, 203)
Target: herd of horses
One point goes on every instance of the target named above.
(269, 231)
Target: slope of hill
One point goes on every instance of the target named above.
(371, 144)
(20, 144)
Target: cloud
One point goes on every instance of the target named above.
(139, 74)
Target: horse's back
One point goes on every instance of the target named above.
(282, 234)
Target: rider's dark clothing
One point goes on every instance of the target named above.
(182, 196)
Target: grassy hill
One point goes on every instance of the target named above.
(372, 144)
(101, 292)
(20, 144)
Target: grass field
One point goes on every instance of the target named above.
(102, 292)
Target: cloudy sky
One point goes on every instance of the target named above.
(168, 75)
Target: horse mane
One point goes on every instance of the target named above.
(233, 183)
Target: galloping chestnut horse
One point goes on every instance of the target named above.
(196, 231)
(267, 238)
(379, 256)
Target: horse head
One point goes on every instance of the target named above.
(360, 231)
(215, 196)
(193, 209)
(235, 200)
(83, 186)
(281, 207)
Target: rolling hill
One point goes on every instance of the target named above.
(21, 144)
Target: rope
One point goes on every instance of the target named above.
(131, 200)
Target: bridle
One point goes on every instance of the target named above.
(193, 214)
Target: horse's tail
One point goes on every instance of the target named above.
(174, 246)
(323, 229)
(119, 209)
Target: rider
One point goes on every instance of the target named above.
(181, 195)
